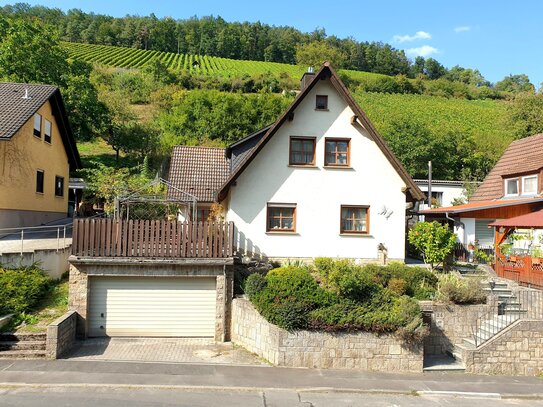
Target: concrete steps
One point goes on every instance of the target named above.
(443, 363)
(23, 345)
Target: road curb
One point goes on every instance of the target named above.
(251, 389)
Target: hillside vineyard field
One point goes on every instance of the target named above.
(483, 119)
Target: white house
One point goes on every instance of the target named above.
(444, 192)
(320, 181)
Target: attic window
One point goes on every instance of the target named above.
(529, 185)
(47, 131)
(302, 151)
(321, 102)
(511, 187)
(37, 125)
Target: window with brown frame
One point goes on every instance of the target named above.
(355, 219)
(337, 152)
(281, 217)
(302, 151)
(321, 102)
(202, 214)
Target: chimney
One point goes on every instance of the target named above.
(307, 78)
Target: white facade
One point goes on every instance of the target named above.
(447, 191)
(319, 192)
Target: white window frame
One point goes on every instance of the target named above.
(505, 186)
(536, 184)
(47, 130)
(37, 125)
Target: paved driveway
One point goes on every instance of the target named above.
(180, 350)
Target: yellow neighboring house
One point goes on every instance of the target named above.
(37, 153)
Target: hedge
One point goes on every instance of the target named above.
(21, 289)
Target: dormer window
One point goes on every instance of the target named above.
(511, 187)
(322, 102)
(529, 185)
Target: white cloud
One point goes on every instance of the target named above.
(419, 35)
(424, 51)
(462, 29)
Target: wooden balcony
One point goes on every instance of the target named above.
(525, 270)
(152, 239)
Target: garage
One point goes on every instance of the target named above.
(152, 306)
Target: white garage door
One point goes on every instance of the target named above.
(152, 306)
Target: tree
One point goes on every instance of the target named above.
(526, 114)
(316, 53)
(433, 69)
(515, 84)
(434, 241)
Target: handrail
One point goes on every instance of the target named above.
(28, 230)
(524, 304)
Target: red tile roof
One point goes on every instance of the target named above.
(530, 220)
(199, 171)
(477, 206)
(521, 157)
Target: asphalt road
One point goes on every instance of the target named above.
(137, 397)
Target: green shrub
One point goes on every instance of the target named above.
(460, 291)
(254, 284)
(21, 289)
(397, 285)
(357, 285)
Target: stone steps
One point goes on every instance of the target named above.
(443, 363)
(22, 354)
(23, 345)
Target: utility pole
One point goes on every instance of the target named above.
(429, 184)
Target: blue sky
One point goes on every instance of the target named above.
(497, 37)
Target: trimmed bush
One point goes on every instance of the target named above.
(338, 295)
(460, 291)
(21, 289)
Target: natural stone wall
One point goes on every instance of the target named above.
(451, 323)
(517, 350)
(365, 351)
(61, 335)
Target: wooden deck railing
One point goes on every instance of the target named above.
(525, 270)
(155, 238)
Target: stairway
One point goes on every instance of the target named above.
(510, 310)
(22, 345)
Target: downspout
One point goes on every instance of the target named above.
(455, 222)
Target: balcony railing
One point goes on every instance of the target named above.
(152, 238)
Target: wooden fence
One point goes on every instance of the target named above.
(152, 238)
(525, 270)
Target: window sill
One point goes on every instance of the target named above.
(59, 196)
(337, 167)
(38, 137)
(40, 193)
(347, 234)
(282, 232)
(322, 110)
(47, 142)
(302, 166)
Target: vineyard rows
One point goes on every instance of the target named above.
(137, 58)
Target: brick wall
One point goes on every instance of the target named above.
(518, 350)
(366, 351)
(452, 323)
(61, 335)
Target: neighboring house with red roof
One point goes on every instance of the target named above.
(514, 187)
(320, 181)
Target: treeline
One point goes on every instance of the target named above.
(214, 36)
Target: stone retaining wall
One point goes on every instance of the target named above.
(365, 351)
(518, 350)
(451, 323)
(61, 335)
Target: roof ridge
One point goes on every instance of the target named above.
(210, 148)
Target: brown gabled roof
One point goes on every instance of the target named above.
(199, 171)
(19, 102)
(326, 71)
(521, 157)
